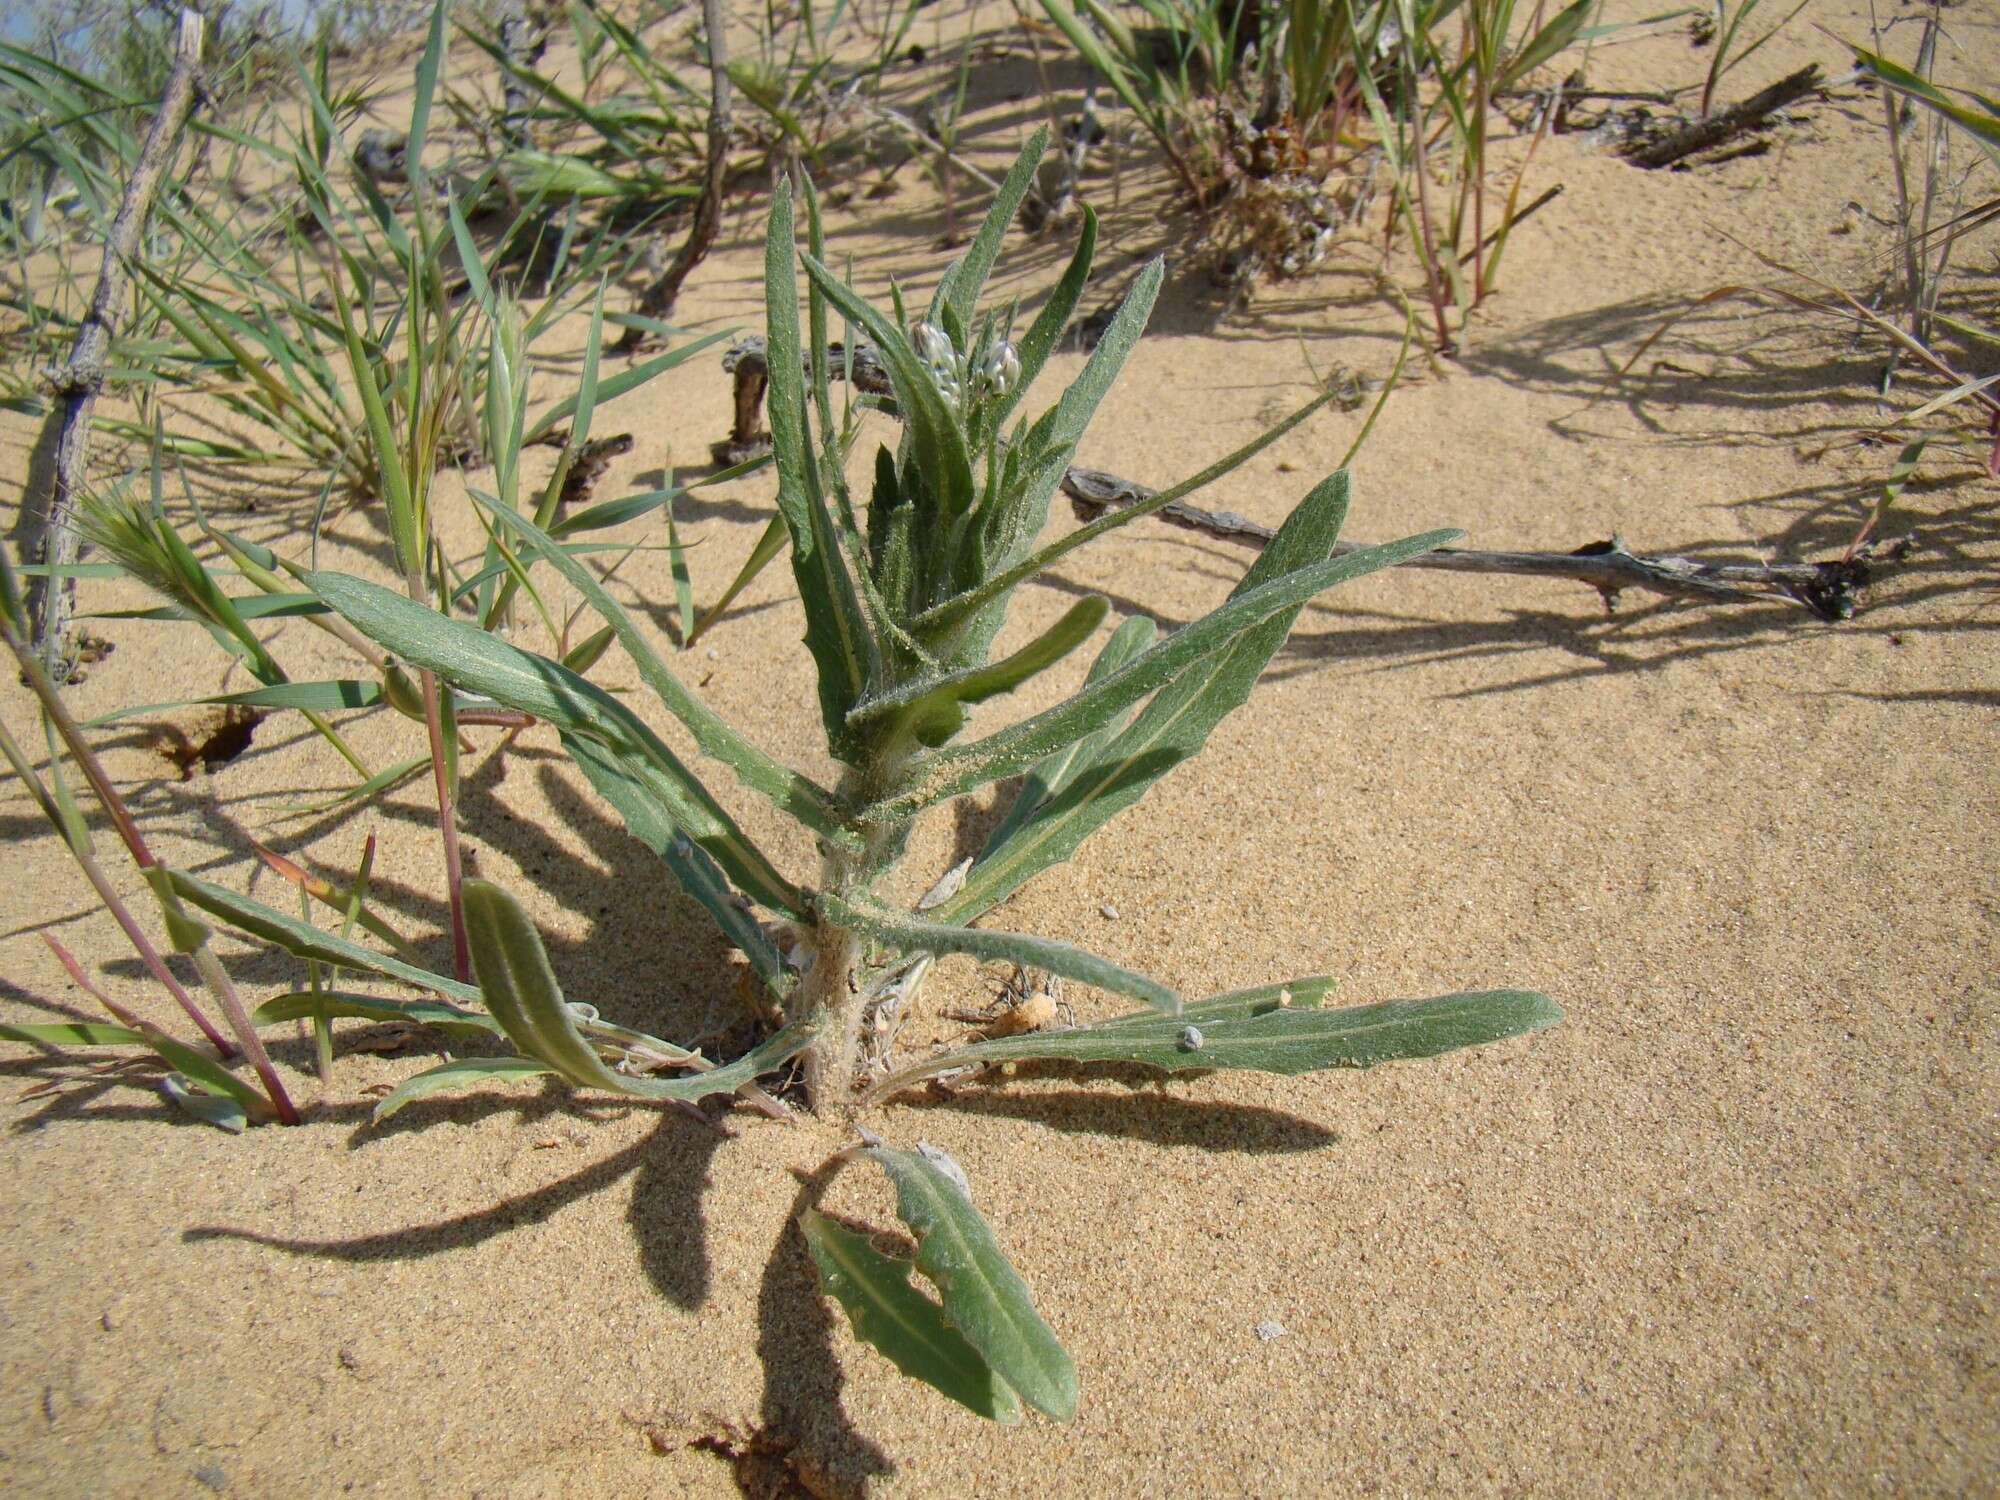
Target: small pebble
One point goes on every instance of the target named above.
(1108, 912)
(1269, 1329)
(213, 1475)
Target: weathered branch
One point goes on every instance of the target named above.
(659, 298)
(1703, 135)
(81, 379)
(1829, 589)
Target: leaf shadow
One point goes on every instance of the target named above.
(672, 1170)
(1146, 1111)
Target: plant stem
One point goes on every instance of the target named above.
(454, 873)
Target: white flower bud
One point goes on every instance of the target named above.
(933, 346)
(1001, 368)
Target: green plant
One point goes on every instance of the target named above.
(1431, 107)
(904, 596)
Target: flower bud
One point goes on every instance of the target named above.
(934, 347)
(1001, 368)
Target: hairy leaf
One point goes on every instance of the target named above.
(900, 1321)
(933, 705)
(918, 935)
(304, 940)
(470, 658)
(521, 989)
(649, 821)
(1266, 1037)
(309, 1005)
(1009, 752)
(451, 1077)
(984, 1296)
(792, 792)
(1120, 769)
(836, 631)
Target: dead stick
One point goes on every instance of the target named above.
(1700, 135)
(659, 298)
(1828, 589)
(82, 378)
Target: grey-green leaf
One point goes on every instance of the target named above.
(649, 821)
(836, 630)
(1110, 771)
(307, 1005)
(961, 285)
(1053, 774)
(460, 1073)
(900, 1321)
(792, 792)
(933, 705)
(307, 941)
(1270, 1038)
(521, 989)
(984, 1296)
(470, 658)
(964, 768)
(917, 935)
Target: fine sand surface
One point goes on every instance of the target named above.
(1730, 1228)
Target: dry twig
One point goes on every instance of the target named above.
(82, 378)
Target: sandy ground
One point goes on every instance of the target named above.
(1729, 1229)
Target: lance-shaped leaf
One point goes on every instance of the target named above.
(836, 631)
(958, 291)
(933, 707)
(451, 1077)
(1054, 773)
(309, 1005)
(521, 990)
(1011, 751)
(1046, 331)
(984, 1296)
(1266, 1037)
(900, 1321)
(649, 821)
(916, 935)
(1118, 770)
(792, 792)
(304, 940)
(470, 658)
